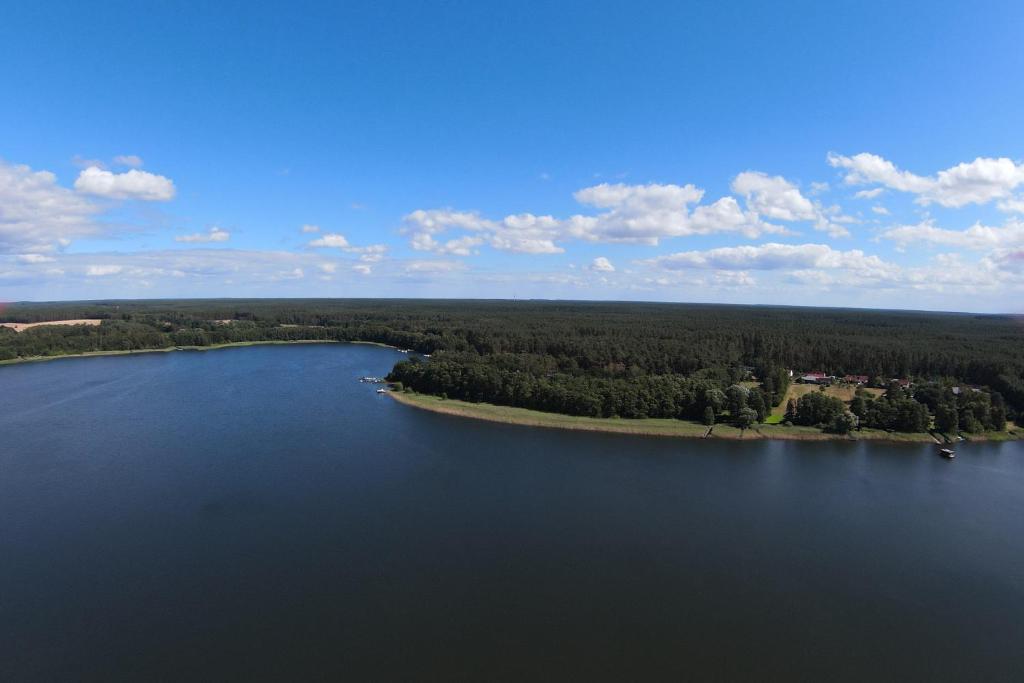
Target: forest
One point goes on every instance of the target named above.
(711, 363)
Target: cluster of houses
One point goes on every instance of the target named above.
(862, 380)
(828, 380)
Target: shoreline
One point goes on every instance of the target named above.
(172, 349)
(662, 427)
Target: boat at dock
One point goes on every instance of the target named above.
(947, 453)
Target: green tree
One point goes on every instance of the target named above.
(756, 402)
(843, 423)
(791, 411)
(947, 420)
(858, 406)
(715, 399)
(709, 416)
(969, 423)
(746, 417)
(736, 398)
(998, 412)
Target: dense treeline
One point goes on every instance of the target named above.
(532, 382)
(584, 358)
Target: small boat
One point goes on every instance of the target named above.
(382, 391)
(947, 453)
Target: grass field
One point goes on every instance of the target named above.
(843, 392)
(534, 418)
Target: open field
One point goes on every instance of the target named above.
(21, 327)
(844, 392)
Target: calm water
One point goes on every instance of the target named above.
(257, 514)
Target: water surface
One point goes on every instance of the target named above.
(257, 514)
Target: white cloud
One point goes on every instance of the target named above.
(37, 214)
(103, 270)
(950, 281)
(200, 271)
(462, 246)
(1008, 260)
(129, 160)
(869, 194)
(820, 267)
(371, 253)
(35, 258)
(433, 221)
(310, 228)
(1014, 205)
(772, 256)
(637, 214)
(331, 240)
(133, 184)
(776, 198)
(867, 168)
(733, 278)
(214, 235)
(880, 210)
(976, 182)
(602, 265)
(83, 162)
(437, 266)
(978, 237)
(830, 220)
(524, 233)
(773, 197)
(645, 214)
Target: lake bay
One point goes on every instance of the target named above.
(258, 514)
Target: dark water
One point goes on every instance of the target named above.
(257, 514)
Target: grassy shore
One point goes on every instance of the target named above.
(663, 427)
(168, 349)
(654, 427)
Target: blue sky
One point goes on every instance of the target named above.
(856, 154)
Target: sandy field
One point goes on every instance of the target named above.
(21, 327)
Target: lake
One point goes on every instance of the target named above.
(258, 514)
